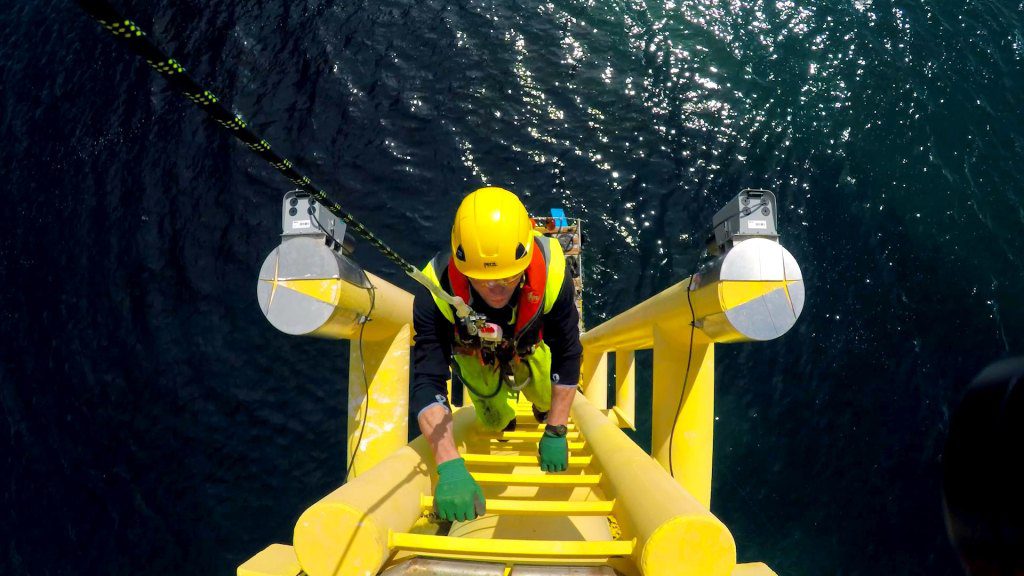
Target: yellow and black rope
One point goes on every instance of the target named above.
(175, 74)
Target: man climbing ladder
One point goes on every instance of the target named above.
(523, 338)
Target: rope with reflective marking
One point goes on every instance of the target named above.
(136, 39)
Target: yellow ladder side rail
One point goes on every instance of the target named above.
(675, 534)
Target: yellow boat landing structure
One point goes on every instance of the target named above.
(617, 510)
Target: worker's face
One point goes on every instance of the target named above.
(497, 293)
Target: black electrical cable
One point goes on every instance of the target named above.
(689, 359)
(362, 361)
(366, 383)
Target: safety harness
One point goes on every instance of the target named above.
(537, 293)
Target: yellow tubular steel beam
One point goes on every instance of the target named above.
(675, 534)
(539, 507)
(631, 330)
(502, 459)
(274, 560)
(625, 389)
(497, 548)
(346, 532)
(382, 400)
(682, 425)
(487, 478)
(378, 406)
(594, 376)
(669, 309)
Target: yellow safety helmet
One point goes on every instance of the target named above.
(492, 236)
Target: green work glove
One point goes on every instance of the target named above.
(554, 453)
(457, 496)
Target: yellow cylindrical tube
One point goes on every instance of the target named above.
(632, 329)
(378, 399)
(346, 532)
(675, 534)
(625, 388)
(682, 425)
(378, 375)
(392, 309)
(594, 377)
(711, 301)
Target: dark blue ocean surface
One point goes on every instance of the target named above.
(155, 423)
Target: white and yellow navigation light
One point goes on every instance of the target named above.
(308, 286)
(755, 290)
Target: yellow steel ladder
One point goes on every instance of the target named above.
(556, 516)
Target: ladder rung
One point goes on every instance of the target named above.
(538, 479)
(574, 461)
(528, 415)
(506, 548)
(525, 435)
(533, 425)
(539, 507)
(512, 443)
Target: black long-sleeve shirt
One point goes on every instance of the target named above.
(432, 351)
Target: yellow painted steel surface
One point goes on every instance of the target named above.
(683, 418)
(675, 534)
(625, 389)
(576, 447)
(712, 301)
(499, 459)
(518, 550)
(378, 408)
(539, 507)
(379, 403)
(484, 478)
(523, 435)
(274, 560)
